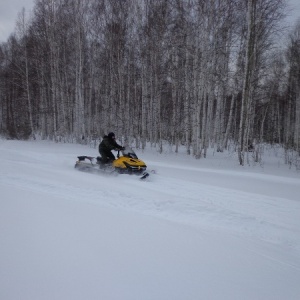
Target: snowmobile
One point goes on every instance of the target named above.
(127, 163)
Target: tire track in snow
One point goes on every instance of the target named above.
(173, 199)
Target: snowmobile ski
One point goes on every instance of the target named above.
(144, 176)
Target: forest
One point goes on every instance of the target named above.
(186, 73)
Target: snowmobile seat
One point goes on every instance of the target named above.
(81, 158)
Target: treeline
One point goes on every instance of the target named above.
(191, 72)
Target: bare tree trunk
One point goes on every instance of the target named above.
(249, 69)
(187, 117)
(23, 28)
(230, 121)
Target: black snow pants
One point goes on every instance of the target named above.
(106, 156)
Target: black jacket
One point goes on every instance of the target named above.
(109, 144)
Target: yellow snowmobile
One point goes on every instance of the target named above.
(127, 163)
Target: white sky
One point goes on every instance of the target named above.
(9, 11)
(295, 10)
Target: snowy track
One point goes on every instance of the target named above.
(217, 225)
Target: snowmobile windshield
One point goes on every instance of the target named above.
(129, 153)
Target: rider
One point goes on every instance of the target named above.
(107, 145)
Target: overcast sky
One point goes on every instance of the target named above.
(9, 10)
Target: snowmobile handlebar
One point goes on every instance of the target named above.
(119, 149)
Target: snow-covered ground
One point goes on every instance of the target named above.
(198, 229)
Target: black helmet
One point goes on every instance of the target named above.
(111, 135)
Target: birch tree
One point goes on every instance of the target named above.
(262, 17)
(292, 129)
(22, 28)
